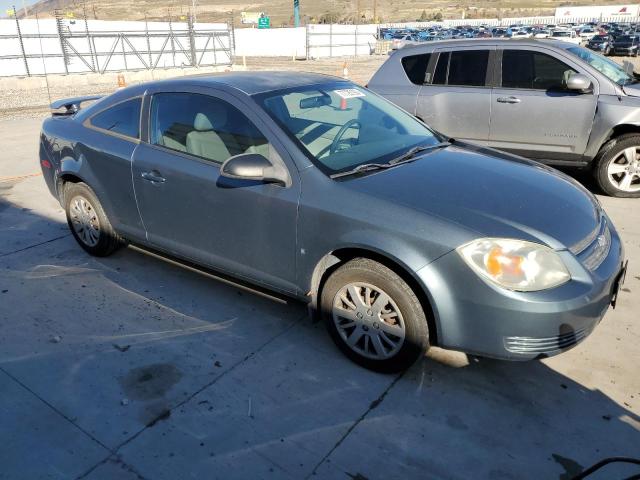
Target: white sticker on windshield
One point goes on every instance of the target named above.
(349, 93)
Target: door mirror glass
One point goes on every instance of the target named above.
(253, 166)
(578, 82)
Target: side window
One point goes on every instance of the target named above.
(204, 126)
(468, 68)
(415, 66)
(123, 118)
(533, 70)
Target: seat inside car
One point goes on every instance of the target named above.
(204, 140)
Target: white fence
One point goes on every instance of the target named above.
(312, 41)
(73, 46)
(51, 46)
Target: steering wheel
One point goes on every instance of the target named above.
(336, 141)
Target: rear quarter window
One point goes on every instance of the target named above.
(415, 66)
(123, 118)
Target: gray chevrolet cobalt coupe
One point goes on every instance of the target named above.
(316, 188)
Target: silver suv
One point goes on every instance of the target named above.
(548, 100)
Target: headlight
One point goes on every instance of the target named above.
(515, 264)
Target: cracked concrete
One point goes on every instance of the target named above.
(129, 367)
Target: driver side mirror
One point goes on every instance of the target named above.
(253, 166)
(579, 83)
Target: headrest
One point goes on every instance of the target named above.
(212, 119)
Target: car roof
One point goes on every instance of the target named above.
(253, 82)
(470, 42)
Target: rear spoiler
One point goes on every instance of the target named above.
(71, 105)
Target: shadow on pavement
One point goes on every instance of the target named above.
(183, 376)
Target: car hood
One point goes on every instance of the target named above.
(633, 90)
(493, 194)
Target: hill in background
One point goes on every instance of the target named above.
(281, 11)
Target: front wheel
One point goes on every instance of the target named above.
(374, 316)
(617, 166)
(88, 222)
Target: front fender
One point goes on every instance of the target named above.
(613, 112)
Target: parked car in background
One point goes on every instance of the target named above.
(542, 33)
(322, 190)
(586, 33)
(569, 36)
(626, 45)
(601, 43)
(400, 41)
(552, 101)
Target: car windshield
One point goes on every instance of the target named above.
(624, 38)
(561, 34)
(607, 67)
(340, 126)
(599, 38)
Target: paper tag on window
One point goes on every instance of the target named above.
(349, 93)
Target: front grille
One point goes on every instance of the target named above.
(594, 248)
(545, 345)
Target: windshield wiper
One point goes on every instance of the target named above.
(406, 157)
(412, 152)
(363, 167)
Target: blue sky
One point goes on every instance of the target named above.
(6, 4)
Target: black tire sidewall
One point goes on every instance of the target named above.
(108, 241)
(607, 154)
(416, 340)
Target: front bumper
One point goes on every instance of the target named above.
(477, 317)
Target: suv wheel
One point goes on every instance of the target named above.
(617, 166)
(374, 317)
(88, 222)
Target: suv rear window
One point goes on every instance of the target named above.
(466, 68)
(415, 66)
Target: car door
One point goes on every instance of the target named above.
(246, 228)
(532, 113)
(456, 99)
(112, 135)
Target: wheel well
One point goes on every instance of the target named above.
(335, 259)
(620, 130)
(65, 178)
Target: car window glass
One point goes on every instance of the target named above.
(204, 126)
(468, 68)
(440, 75)
(415, 66)
(533, 70)
(339, 125)
(123, 118)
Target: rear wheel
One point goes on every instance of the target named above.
(374, 317)
(617, 166)
(88, 222)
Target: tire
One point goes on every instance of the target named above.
(613, 153)
(88, 222)
(403, 314)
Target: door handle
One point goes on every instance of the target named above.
(153, 176)
(508, 100)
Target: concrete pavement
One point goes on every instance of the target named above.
(130, 367)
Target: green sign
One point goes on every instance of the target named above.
(264, 22)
